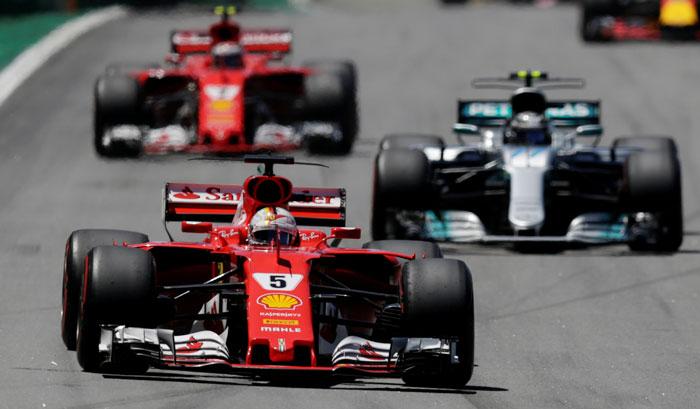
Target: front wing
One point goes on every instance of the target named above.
(161, 348)
(175, 139)
(466, 227)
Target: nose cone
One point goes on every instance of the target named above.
(526, 215)
(526, 210)
(527, 167)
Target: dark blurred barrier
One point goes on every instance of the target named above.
(31, 6)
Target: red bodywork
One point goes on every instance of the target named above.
(280, 331)
(631, 27)
(221, 93)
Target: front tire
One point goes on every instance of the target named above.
(79, 243)
(119, 288)
(117, 102)
(438, 302)
(401, 181)
(331, 95)
(652, 184)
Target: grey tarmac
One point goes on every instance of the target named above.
(592, 328)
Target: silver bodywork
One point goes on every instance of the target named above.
(527, 167)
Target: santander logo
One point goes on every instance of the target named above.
(187, 194)
(191, 347)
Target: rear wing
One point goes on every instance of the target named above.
(219, 203)
(493, 113)
(253, 41)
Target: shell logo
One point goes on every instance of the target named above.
(278, 301)
(221, 105)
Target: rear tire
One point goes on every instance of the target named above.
(401, 180)
(119, 288)
(117, 102)
(79, 243)
(438, 301)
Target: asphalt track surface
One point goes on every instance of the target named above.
(594, 328)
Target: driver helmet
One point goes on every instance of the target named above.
(527, 128)
(227, 55)
(271, 224)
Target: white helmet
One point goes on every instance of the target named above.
(273, 224)
(528, 128)
(227, 55)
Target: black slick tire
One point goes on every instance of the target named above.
(401, 181)
(438, 301)
(119, 288)
(79, 243)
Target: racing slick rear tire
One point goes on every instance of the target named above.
(422, 249)
(119, 288)
(117, 102)
(401, 181)
(331, 95)
(652, 185)
(79, 243)
(410, 140)
(438, 301)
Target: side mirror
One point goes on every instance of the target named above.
(346, 232)
(196, 227)
(466, 129)
(589, 130)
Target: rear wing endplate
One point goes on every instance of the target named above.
(219, 203)
(570, 113)
(253, 41)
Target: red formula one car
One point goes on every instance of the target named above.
(259, 295)
(612, 20)
(226, 90)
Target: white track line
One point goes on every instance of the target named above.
(31, 59)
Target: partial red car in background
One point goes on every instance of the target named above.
(613, 20)
(226, 90)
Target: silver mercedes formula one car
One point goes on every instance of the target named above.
(535, 175)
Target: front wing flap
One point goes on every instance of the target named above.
(466, 227)
(162, 348)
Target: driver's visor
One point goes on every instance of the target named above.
(532, 136)
(268, 236)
